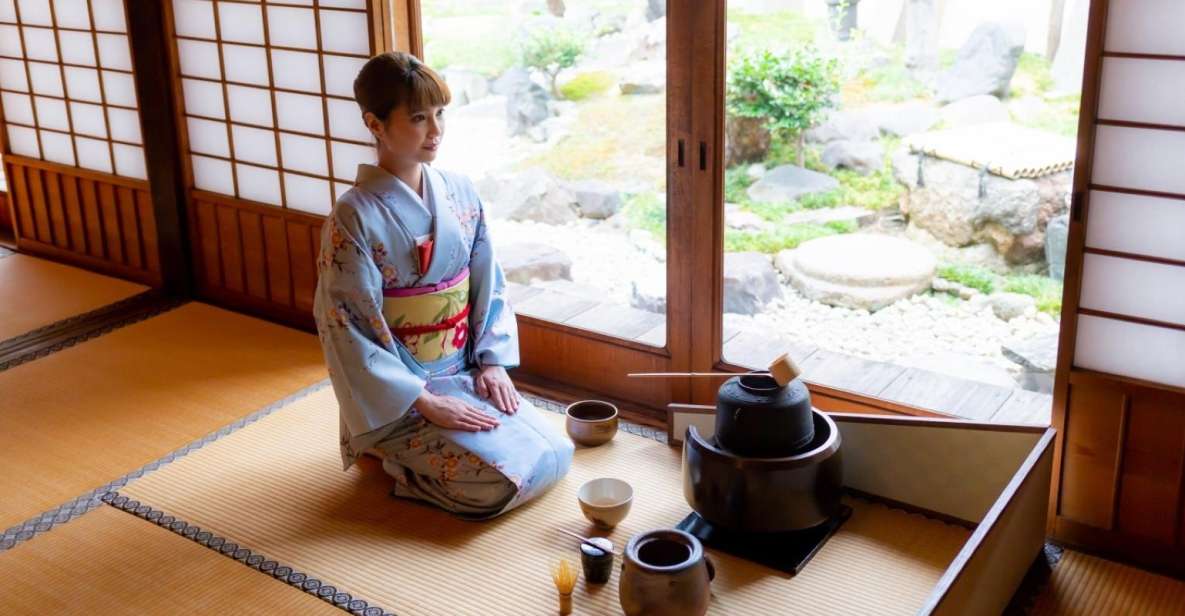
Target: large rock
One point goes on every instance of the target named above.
(1057, 237)
(656, 9)
(596, 199)
(845, 213)
(514, 78)
(649, 295)
(746, 140)
(532, 195)
(845, 126)
(1037, 357)
(985, 63)
(466, 86)
(904, 119)
(1008, 306)
(974, 110)
(1012, 215)
(863, 157)
(789, 182)
(644, 78)
(750, 282)
(526, 108)
(650, 41)
(921, 37)
(1071, 49)
(859, 271)
(528, 261)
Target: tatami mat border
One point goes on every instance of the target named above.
(139, 307)
(64, 513)
(298, 579)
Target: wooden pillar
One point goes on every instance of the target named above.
(150, 57)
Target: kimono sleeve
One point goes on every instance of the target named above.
(496, 341)
(374, 386)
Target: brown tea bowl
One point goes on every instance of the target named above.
(591, 422)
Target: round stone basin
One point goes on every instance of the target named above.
(858, 270)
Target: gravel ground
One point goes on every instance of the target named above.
(913, 331)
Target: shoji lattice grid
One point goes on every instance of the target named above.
(268, 97)
(66, 85)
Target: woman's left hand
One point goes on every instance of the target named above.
(493, 384)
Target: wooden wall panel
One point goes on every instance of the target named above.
(255, 258)
(5, 214)
(1091, 452)
(95, 220)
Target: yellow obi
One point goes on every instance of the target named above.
(433, 321)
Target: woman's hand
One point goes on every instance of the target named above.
(494, 384)
(452, 413)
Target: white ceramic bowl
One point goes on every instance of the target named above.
(605, 501)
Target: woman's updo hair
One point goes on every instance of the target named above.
(395, 78)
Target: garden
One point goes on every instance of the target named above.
(894, 192)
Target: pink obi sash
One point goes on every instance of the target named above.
(431, 321)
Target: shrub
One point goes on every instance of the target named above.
(586, 85)
(782, 238)
(550, 51)
(977, 278)
(793, 92)
(1047, 291)
(646, 211)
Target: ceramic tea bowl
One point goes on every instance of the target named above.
(605, 501)
(591, 422)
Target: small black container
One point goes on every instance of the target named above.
(756, 418)
(597, 563)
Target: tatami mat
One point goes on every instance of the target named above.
(276, 488)
(37, 293)
(1083, 584)
(84, 416)
(109, 562)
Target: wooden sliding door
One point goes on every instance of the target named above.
(1120, 393)
(73, 152)
(270, 136)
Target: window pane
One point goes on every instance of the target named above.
(292, 27)
(10, 42)
(202, 98)
(129, 161)
(51, 113)
(240, 23)
(12, 75)
(194, 18)
(35, 12)
(83, 84)
(119, 88)
(300, 112)
(303, 154)
(258, 184)
(18, 108)
(250, 105)
(254, 145)
(113, 51)
(296, 70)
(73, 14)
(347, 157)
(212, 174)
(340, 72)
(125, 124)
(23, 141)
(88, 119)
(307, 194)
(93, 154)
(40, 44)
(47, 78)
(345, 121)
(108, 15)
(77, 47)
(57, 147)
(245, 64)
(199, 59)
(345, 32)
(208, 137)
(572, 177)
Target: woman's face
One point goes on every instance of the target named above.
(409, 136)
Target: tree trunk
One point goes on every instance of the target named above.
(802, 148)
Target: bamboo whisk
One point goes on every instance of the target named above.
(564, 576)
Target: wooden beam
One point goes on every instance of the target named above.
(150, 59)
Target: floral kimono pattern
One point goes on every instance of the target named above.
(380, 361)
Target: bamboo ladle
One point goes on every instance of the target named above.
(783, 370)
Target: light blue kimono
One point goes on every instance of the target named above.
(368, 245)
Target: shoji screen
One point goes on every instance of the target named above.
(1123, 428)
(272, 137)
(72, 145)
